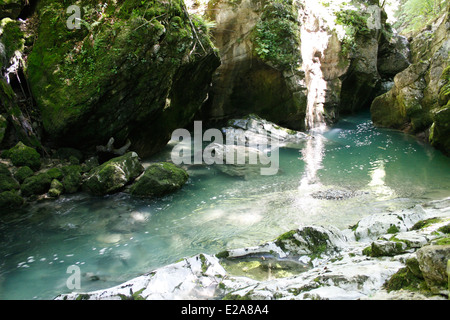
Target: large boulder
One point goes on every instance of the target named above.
(433, 261)
(114, 174)
(22, 155)
(133, 70)
(159, 179)
(7, 181)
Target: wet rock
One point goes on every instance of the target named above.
(373, 226)
(114, 174)
(159, 179)
(253, 130)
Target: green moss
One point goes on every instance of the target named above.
(72, 178)
(22, 155)
(10, 200)
(36, 185)
(22, 173)
(55, 173)
(355, 27)
(445, 229)
(405, 279)
(393, 229)
(11, 36)
(276, 35)
(7, 182)
(442, 241)
(288, 236)
(223, 255)
(425, 223)
(160, 179)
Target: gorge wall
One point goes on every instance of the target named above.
(137, 70)
(419, 100)
(298, 63)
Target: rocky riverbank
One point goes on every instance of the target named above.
(390, 255)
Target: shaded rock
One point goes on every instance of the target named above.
(7, 181)
(114, 174)
(10, 199)
(22, 173)
(159, 179)
(433, 264)
(129, 76)
(72, 178)
(22, 155)
(11, 8)
(3, 126)
(36, 185)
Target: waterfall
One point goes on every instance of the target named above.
(314, 41)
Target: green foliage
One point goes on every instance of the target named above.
(355, 26)
(277, 35)
(413, 15)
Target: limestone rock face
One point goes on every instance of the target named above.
(418, 101)
(131, 71)
(294, 63)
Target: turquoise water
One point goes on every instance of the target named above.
(115, 238)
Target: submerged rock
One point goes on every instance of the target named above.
(114, 174)
(159, 179)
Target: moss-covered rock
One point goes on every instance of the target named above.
(114, 174)
(159, 179)
(10, 199)
(3, 126)
(56, 189)
(11, 8)
(22, 173)
(72, 178)
(22, 155)
(7, 181)
(36, 185)
(433, 264)
(122, 74)
(419, 101)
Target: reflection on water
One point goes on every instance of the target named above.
(115, 238)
